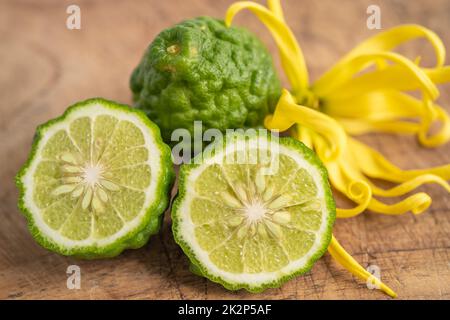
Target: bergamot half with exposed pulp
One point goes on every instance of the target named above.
(97, 180)
(201, 70)
(254, 211)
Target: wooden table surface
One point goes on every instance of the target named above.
(44, 67)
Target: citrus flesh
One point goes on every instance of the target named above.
(97, 180)
(245, 226)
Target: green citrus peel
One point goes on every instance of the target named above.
(97, 180)
(245, 226)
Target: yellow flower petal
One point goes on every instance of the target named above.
(383, 104)
(386, 41)
(290, 53)
(350, 68)
(341, 256)
(361, 193)
(303, 134)
(288, 113)
(359, 127)
(439, 75)
(417, 203)
(376, 166)
(275, 7)
(385, 111)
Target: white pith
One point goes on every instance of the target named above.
(92, 174)
(254, 212)
(186, 226)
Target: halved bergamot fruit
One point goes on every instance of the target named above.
(97, 180)
(253, 211)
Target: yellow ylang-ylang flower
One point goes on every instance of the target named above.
(365, 91)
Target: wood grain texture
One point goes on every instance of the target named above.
(46, 67)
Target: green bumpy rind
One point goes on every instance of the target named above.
(222, 76)
(150, 224)
(199, 269)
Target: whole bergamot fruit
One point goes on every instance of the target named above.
(202, 70)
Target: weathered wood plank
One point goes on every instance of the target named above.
(46, 67)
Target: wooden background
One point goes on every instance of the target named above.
(45, 67)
